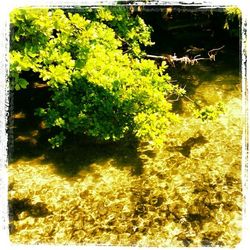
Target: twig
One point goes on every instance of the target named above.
(213, 52)
(185, 59)
(220, 48)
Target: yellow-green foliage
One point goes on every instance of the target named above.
(232, 13)
(98, 88)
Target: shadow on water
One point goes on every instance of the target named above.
(19, 208)
(75, 155)
(27, 139)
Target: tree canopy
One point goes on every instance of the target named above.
(92, 61)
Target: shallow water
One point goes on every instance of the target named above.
(208, 83)
(122, 195)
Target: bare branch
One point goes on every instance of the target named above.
(213, 50)
(185, 59)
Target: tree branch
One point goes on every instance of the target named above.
(185, 59)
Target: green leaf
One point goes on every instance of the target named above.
(17, 87)
(97, 88)
(23, 83)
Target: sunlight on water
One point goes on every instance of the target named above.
(186, 193)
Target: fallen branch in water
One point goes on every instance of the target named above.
(185, 59)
